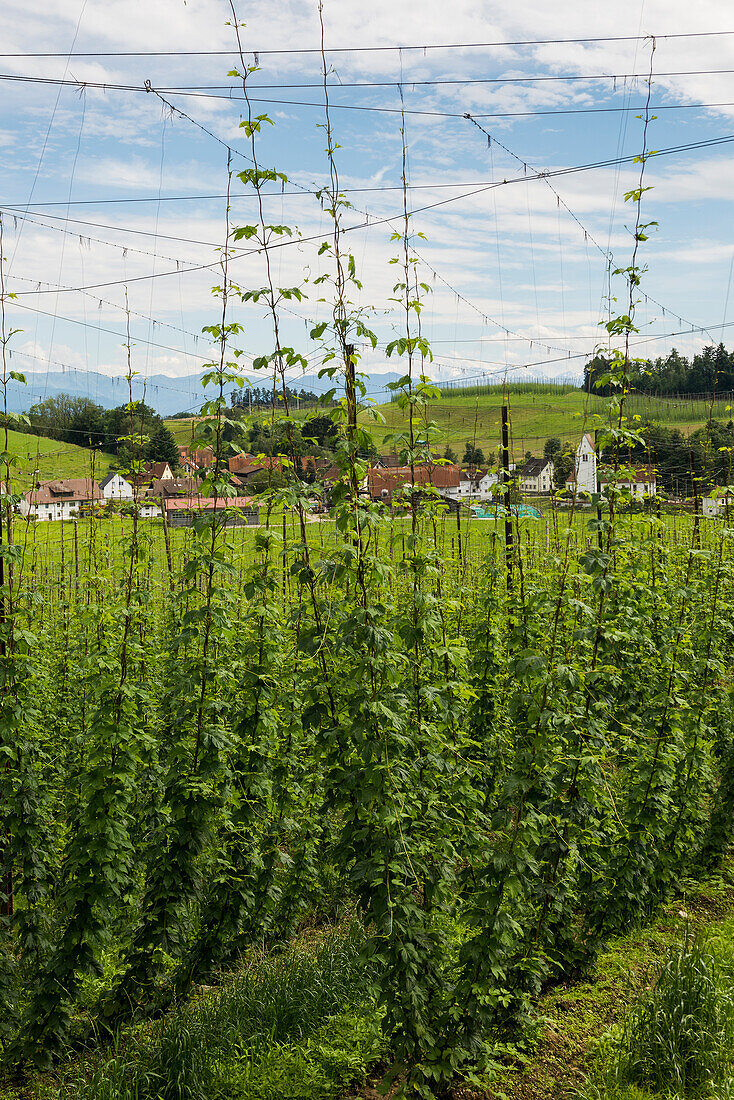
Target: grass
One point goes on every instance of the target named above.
(581, 1025)
(101, 542)
(53, 459)
(678, 1039)
(182, 429)
(539, 411)
(287, 1027)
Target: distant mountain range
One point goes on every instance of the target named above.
(165, 394)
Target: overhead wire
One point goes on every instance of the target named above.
(381, 49)
(426, 207)
(463, 81)
(538, 175)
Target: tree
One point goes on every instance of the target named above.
(473, 455)
(322, 430)
(70, 419)
(449, 454)
(551, 448)
(267, 479)
(563, 463)
(137, 420)
(162, 447)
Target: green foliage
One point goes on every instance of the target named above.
(678, 1039)
(498, 744)
(80, 421)
(295, 1025)
(473, 455)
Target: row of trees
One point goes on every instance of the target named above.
(82, 421)
(704, 458)
(261, 397)
(710, 371)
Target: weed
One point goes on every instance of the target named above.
(678, 1040)
(288, 1024)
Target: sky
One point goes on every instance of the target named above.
(110, 191)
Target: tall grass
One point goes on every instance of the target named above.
(228, 1043)
(678, 1040)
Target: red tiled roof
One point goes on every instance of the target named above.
(72, 489)
(194, 504)
(239, 463)
(393, 480)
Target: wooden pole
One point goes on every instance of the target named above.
(76, 552)
(507, 500)
(167, 540)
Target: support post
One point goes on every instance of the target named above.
(507, 495)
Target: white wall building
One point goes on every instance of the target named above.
(718, 506)
(641, 482)
(459, 484)
(536, 476)
(583, 478)
(61, 499)
(585, 464)
(116, 487)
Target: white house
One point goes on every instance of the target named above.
(458, 483)
(61, 499)
(583, 478)
(640, 482)
(716, 506)
(536, 476)
(450, 480)
(116, 487)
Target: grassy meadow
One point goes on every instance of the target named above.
(540, 411)
(537, 412)
(42, 459)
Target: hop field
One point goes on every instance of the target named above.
(202, 753)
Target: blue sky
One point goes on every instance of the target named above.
(518, 272)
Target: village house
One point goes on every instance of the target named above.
(192, 459)
(60, 499)
(450, 481)
(717, 506)
(536, 476)
(116, 487)
(241, 463)
(181, 511)
(640, 482)
(243, 467)
(154, 471)
(164, 489)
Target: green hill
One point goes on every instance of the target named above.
(538, 411)
(182, 429)
(43, 459)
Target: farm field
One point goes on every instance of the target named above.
(199, 776)
(537, 410)
(387, 793)
(329, 1039)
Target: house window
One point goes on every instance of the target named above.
(585, 458)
